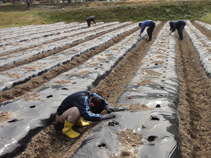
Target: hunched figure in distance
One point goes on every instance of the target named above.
(89, 19)
(151, 25)
(179, 26)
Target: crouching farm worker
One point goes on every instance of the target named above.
(90, 19)
(179, 25)
(151, 25)
(82, 104)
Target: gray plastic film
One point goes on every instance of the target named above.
(29, 116)
(202, 45)
(155, 85)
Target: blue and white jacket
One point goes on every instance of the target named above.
(81, 100)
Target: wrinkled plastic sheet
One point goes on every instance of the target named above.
(25, 54)
(29, 116)
(161, 136)
(23, 73)
(38, 41)
(205, 25)
(28, 29)
(202, 46)
(15, 37)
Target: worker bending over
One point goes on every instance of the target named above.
(179, 25)
(82, 104)
(90, 19)
(151, 25)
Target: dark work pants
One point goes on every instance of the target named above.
(180, 30)
(88, 22)
(150, 29)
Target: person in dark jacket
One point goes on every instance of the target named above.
(179, 25)
(82, 104)
(151, 25)
(90, 19)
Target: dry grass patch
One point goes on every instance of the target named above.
(18, 19)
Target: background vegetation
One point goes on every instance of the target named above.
(20, 14)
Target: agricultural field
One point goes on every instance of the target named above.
(164, 85)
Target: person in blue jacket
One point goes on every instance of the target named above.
(82, 104)
(90, 19)
(151, 25)
(179, 26)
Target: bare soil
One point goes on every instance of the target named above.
(52, 143)
(194, 103)
(40, 80)
(128, 139)
(195, 99)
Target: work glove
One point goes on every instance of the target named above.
(115, 109)
(112, 109)
(110, 116)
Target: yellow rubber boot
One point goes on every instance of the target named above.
(68, 131)
(82, 123)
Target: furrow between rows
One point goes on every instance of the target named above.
(155, 85)
(36, 42)
(45, 99)
(202, 45)
(23, 73)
